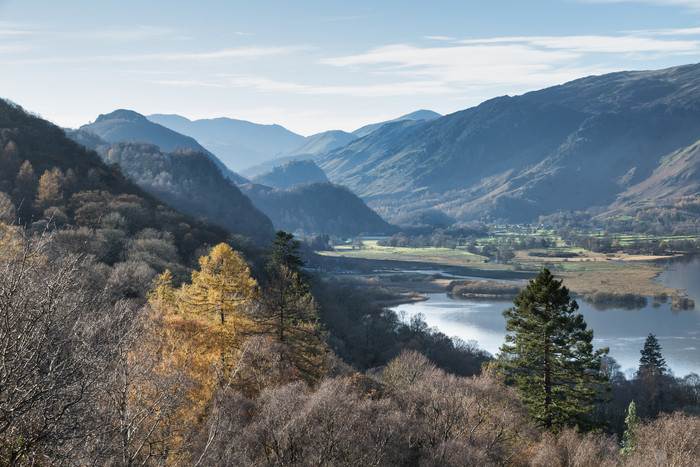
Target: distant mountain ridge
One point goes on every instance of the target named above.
(128, 126)
(292, 173)
(578, 146)
(238, 143)
(416, 116)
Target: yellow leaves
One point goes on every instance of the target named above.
(222, 287)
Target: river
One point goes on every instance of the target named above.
(623, 331)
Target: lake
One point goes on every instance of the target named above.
(624, 331)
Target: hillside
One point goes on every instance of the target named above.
(291, 173)
(189, 181)
(127, 126)
(578, 146)
(50, 183)
(414, 116)
(238, 143)
(317, 208)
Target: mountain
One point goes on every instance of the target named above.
(578, 146)
(312, 147)
(347, 163)
(317, 208)
(50, 183)
(189, 181)
(291, 173)
(238, 143)
(126, 126)
(417, 115)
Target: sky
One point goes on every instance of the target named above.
(312, 66)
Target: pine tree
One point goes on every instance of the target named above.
(651, 362)
(285, 252)
(549, 356)
(288, 311)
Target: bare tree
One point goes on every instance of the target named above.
(50, 312)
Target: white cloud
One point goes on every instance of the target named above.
(519, 60)
(248, 53)
(691, 4)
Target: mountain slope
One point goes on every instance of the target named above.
(238, 143)
(292, 173)
(127, 126)
(189, 181)
(417, 115)
(575, 146)
(317, 208)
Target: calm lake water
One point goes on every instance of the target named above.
(624, 331)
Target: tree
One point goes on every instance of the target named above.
(549, 356)
(632, 421)
(285, 252)
(288, 311)
(222, 286)
(651, 361)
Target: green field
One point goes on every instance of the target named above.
(446, 256)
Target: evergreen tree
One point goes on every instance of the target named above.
(651, 361)
(549, 356)
(288, 311)
(285, 252)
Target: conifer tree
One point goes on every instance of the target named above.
(549, 356)
(288, 311)
(651, 362)
(222, 286)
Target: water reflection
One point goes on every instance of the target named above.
(623, 331)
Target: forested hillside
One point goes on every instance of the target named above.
(317, 208)
(189, 181)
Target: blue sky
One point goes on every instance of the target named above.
(319, 65)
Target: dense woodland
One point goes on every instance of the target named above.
(132, 334)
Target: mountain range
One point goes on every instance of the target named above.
(238, 143)
(126, 126)
(597, 143)
(175, 168)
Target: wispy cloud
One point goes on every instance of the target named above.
(187, 83)
(404, 88)
(248, 53)
(519, 60)
(690, 4)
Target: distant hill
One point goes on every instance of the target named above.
(312, 147)
(583, 145)
(189, 181)
(317, 208)
(127, 126)
(238, 143)
(292, 173)
(417, 115)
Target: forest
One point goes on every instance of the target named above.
(133, 334)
